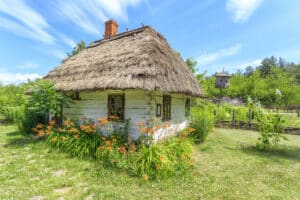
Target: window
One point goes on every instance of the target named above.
(116, 106)
(187, 107)
(158, 110)
(75, 95)
(166, 107)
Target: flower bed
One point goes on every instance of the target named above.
(142, 158)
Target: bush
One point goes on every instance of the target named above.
(78, 141)
(163, 159)
(27, 118)
(42, 101)
(202, 120)
(11, 114)
(270, 127)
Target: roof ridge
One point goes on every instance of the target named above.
(118, 36)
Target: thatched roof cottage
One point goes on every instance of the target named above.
(134, 75)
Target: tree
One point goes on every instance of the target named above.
(191, 64)
(266, 66)
(249, 71)
(79, 47)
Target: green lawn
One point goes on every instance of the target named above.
(227, 167)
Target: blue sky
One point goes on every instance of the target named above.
(231, 34)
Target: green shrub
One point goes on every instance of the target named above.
(11, 113)
(163, 159)
(241, 113)
(112, 152)
(28, 118)
(202, 120)
(42, 101)
(270, 127)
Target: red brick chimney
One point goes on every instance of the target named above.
(111, 28)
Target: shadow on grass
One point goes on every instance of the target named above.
(290, 153)
(18, 140)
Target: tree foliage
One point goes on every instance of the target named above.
(261, 84)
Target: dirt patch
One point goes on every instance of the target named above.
(90, 197)
(59, 173)
(63, 190)
(37, 198)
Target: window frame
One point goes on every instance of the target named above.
(167, 102)
(109, 106)
(187, 107)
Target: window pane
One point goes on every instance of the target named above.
(116, 106)
(166, 107)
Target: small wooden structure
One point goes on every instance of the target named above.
(222, 80)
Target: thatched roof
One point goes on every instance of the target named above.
(137, 59)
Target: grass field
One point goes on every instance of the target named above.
(227, 167)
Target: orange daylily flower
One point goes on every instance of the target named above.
(74, 130)
(107, 142)
(41, 133)
(158, 167)
(143, 130)
(54, 139)
(145, 177)
(191, 129)
(166, 125)
(151, 131)
(48, 132)
(52, 122)
(191, 162)
(122, 149)
(184, 133)
(77, 136)
(132, 147)
(39, 126)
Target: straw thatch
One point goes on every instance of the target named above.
(137, 59)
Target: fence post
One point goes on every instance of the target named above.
(233, 115)
(249, 116)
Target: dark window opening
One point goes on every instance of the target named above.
(166, 107)
(116, 106)
(187, 107)
(76, 96)
(158, 110)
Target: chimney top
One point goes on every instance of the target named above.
(111, 28)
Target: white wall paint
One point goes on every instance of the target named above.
(140, 106)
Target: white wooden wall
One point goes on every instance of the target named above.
(140, 106)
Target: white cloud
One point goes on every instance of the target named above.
(253, 63)
(88, 14)
(26, 22)
(33, 24)
(241, 10)
(71, 43)
(16, 78)
(117, 8)
(57, 53)
(76, 14)
(28, 65)
(208, 58)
